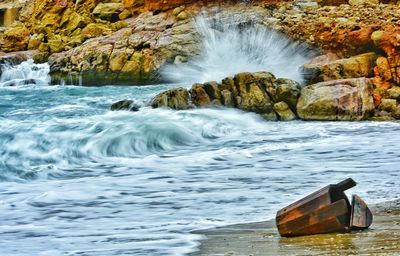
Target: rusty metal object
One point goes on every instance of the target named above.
(325, 211)
(361, 216)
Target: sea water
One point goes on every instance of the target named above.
(78, 179)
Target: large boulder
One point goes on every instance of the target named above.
(329, 67)
(177, 98)
(16, 58)
(252, 93)
(346, 100)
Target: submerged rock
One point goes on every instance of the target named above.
(345, 100)
(129, 105)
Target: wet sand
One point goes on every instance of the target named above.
(383, 238)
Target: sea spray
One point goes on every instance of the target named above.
(28, 72)
(234, 44)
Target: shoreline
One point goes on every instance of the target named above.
(262, 238)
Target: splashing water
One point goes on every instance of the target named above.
(231, 46)
(25, 73)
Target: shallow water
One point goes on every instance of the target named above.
(77, 179)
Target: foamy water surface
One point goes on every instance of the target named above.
(78, 179)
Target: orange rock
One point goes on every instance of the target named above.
(388, 68)
(383, 69)
(379, 83)
(15, 39)
(361, 36)
(377, 98)
(380, 89)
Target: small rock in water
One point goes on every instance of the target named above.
(125, 105)
(179, 60)
(284, 112)
(176, 98)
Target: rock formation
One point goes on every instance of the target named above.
(280, 99)
(344, 100)
(261, 93)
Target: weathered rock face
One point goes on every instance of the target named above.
(15, 39)
(49, 23)
(258, 92)
(108, 11)
(388, 67)
(345, 30)
(345, 100)
(387, 70)
(363, 2)
(136, 53)
(139, 6)
(132, 54)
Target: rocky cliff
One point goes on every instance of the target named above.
(95, 37)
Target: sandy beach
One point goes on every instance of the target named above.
(262, 238)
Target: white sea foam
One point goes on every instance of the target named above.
(26, 73)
